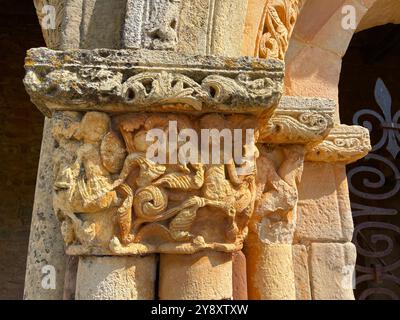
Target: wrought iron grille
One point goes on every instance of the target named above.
(374, 184)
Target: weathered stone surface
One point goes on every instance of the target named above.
(344, 144)
(151, 24)
(128, 81)
(116, 278)
(299, 120)
(46, 246)
(319, 214)
(53, 37)
(85, 24)
(239, 277)
(301, 272)
(332, 266)
(270, 272)
(275, 213)
(202, 276)
(225, 27)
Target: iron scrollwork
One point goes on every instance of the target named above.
(373, 183)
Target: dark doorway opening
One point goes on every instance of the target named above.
(370, 97)
(21, 128)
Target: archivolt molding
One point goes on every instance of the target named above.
(141, 80)
(276, 28)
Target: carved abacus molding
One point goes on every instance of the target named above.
(152, 81)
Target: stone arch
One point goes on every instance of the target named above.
(320, 38)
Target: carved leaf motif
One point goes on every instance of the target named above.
(162, 88)
(280, 18)
(182, 180)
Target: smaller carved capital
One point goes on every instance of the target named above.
(345, 144)
(299, 121)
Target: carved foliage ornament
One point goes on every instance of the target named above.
(110, 80)
(299, 121)
(277, 26)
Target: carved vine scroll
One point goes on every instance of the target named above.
(277, 26)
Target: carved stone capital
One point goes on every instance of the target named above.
(114, 198)
(151, 81)
(344, 144)
(298, 120)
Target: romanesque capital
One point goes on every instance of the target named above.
(118, 192)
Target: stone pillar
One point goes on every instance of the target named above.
(116, 278)
(46, 247)
(201, 276)
(270, 272)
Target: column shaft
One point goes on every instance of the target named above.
(202, 276)
(116, 278)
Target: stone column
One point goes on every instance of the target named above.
(46, 246)
(116, 278)
(132, 24)
(300, 130)
(122, 199)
